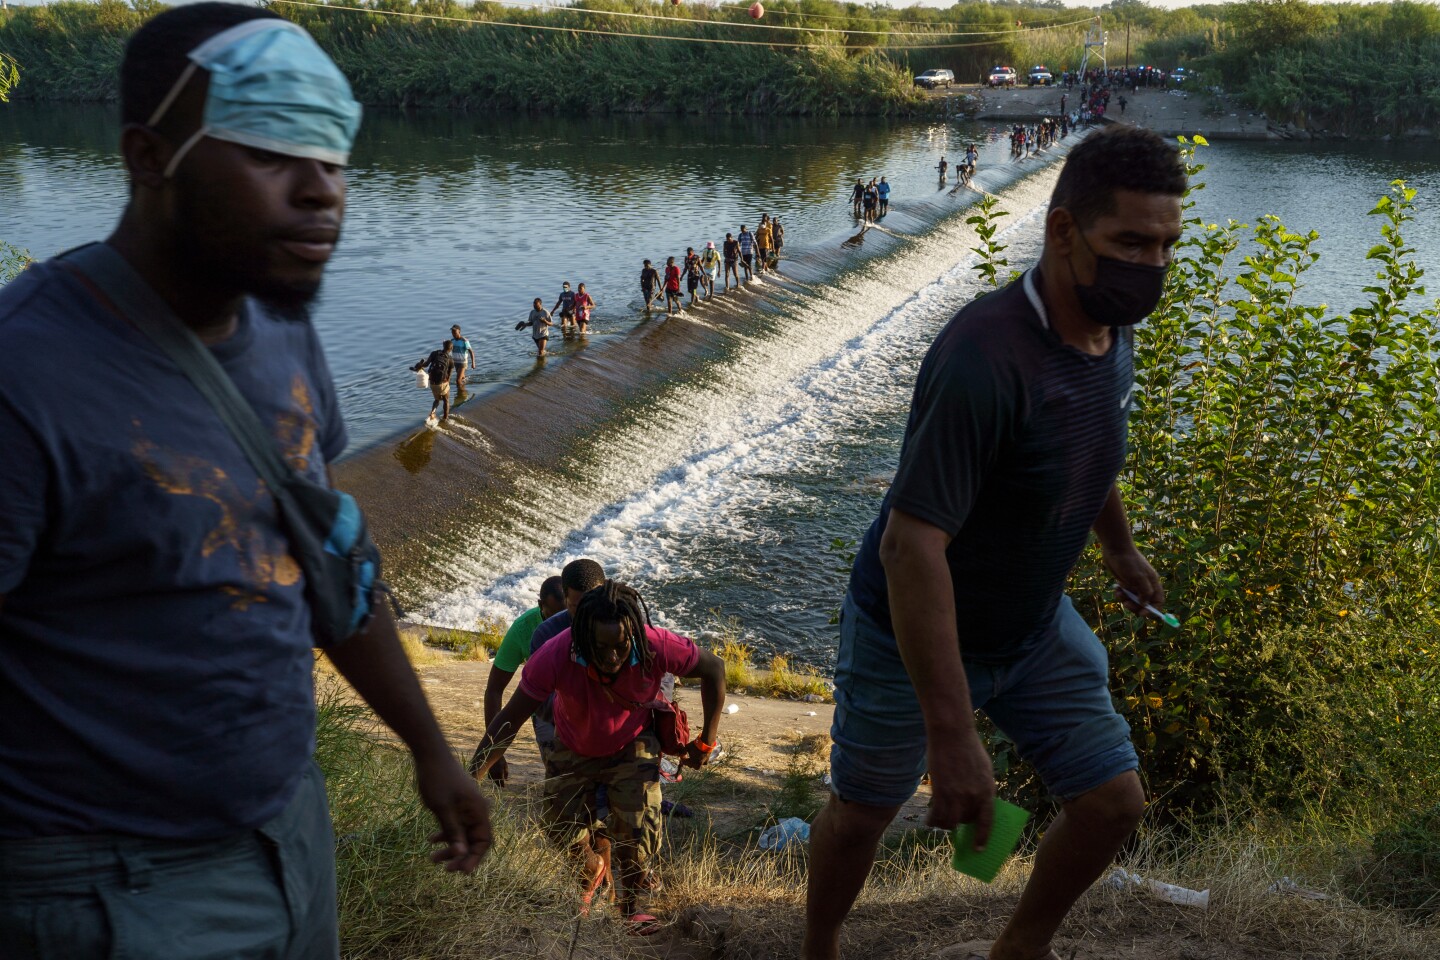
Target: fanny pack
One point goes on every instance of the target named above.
(672, 726)
(327, 532)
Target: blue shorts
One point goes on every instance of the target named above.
(1054, 704)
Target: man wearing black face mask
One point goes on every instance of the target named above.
(1016, 436)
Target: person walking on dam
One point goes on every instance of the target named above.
(159, 610)
(437, 367)
(882, 189)
(1014, 442)
(649, 284)
(540, 323)
(672, 287)
(565, 303)
(584, 303)
(731, 249)
(710, 263)
(462, 356)
(747, 252)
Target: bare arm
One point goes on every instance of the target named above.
(1122, 558)
(495, 693)
(494, 697)
(500, 732)
(376, 666)
(922, 611)
(710, 671)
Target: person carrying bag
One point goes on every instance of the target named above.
(325, 527)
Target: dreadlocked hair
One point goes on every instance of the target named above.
(612, 602)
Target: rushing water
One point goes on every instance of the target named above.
(719, 489)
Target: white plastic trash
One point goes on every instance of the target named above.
(422, 379)
(1120, 879)
(732, 708)
(784, 833)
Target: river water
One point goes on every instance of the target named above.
(718, 483)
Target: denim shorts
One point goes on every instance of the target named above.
(1054, 703)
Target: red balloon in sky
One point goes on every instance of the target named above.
(757, 10)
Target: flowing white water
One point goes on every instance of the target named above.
(698, 466)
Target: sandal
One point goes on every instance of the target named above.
(599, 869)
(642, 925)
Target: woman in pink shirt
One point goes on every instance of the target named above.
(605, 673)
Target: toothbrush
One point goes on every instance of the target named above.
(1168, 619)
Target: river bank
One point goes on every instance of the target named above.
(725, 899)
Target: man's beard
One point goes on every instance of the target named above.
(291, 307)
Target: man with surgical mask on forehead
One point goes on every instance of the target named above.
(157, 715)
(1012, 451)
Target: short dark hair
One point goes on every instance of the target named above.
(1117, 158)
(156, 54)
(552, 589)
(618, 603)
(582, 575)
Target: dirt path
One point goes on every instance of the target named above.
(764, 741)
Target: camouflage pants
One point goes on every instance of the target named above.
(631, 779)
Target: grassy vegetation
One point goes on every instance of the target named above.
(783, 679)
(722, 894)
(478, 644)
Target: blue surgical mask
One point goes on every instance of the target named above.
(272, 88)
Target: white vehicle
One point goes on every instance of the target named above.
(1001, 77)
(931, 79)
(1040, 74)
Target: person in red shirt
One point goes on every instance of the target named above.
(584, 303)
(605, 673)
(672, 286)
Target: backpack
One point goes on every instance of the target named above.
(438, 366)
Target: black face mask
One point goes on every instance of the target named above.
(1123, 293)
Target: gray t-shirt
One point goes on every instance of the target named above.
(538, 324)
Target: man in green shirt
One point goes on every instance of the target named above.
(514, 650)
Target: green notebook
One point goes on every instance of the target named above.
(1005, 832)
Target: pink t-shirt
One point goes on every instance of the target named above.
(589, 720)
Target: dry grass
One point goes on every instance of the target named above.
(724, 898)
(739, 663)
(781, 680)
(478, 644)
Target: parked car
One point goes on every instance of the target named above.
(1040, 74)
(1179, 75)
(931, 79)
(1001, 77)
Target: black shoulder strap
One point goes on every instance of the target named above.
(144, 308)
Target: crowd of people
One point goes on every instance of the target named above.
(1126, 78)
(171, 559)
(750, 252)
(1027, 139)
(870, 201)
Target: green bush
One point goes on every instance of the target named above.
(1283, 479)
